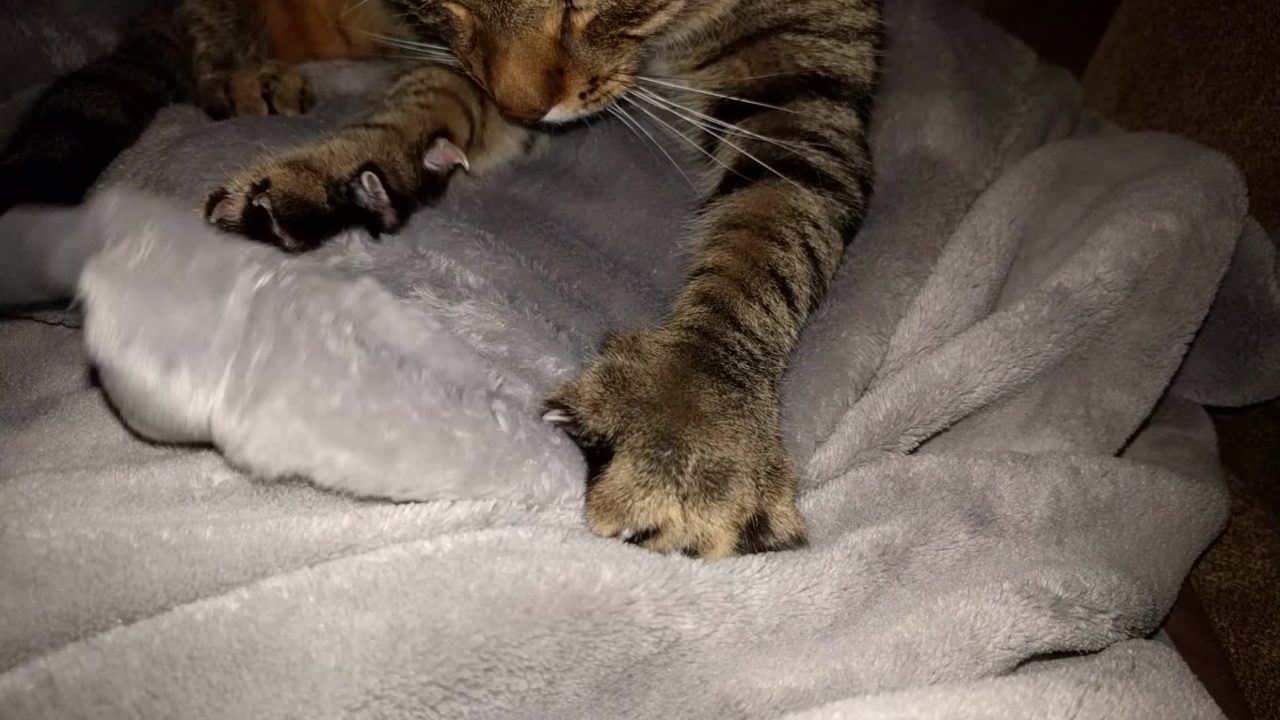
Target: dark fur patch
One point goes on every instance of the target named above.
(214, 200)
(756, 534)
(597, 454)
(255, 221)
(816, 274)
(76, 127)
(758, 537)
(643, 536)
(782, 286)
(597, 451)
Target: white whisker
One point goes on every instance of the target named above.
(657, 144)
(696, 124)
(686, 138)
(729, 127)
(696, 78)
(353, 7)
(627, 122)
(413, 50)
(402, 42)
(424, 53)
(700, 91)
(438, 59)
(728, 142)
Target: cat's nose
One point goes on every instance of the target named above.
(528, 95)
(533, 111)
(527, 79)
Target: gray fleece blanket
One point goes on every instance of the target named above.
(1006, 470)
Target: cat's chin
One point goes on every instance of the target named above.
(560, 115)
(555, 123)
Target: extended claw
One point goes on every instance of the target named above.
(372, 195)
(442, 156)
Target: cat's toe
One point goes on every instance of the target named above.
(677, 461)
(282, 88)
(260, 213)
(708, 516)
(270, 88)
(299, 200)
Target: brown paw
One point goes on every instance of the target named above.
(678, 460)
(271, 88)
(305, 197)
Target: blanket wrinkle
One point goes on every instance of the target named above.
(1007, 469)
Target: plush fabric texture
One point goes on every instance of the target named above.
(1004, 461)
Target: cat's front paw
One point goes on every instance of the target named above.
(269, 88)
(300, 199)
(678, 459)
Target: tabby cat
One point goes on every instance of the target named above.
(679, 424)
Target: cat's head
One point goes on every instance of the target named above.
(545, 60)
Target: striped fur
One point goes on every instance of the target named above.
(679, 424)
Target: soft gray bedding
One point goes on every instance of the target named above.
(1007, 473)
